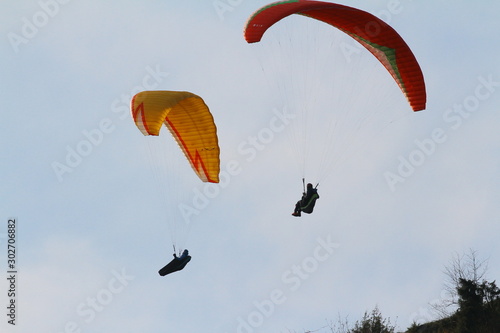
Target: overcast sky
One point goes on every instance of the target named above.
(411, 191)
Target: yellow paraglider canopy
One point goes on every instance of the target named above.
(189, 121)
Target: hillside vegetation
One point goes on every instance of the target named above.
(476, 300)
(470, 318)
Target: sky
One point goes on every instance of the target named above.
(409, 192)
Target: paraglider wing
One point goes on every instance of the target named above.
(373, 33)
(189, 121)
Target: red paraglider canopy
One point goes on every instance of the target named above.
(373, 33)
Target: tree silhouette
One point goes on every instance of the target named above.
(462, 267)
(373, 323)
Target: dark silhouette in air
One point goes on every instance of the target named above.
(307, 202)
(176, 264)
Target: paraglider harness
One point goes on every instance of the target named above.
(176, 264)
(309, 198)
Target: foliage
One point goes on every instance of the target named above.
(373, 323)
(467, 266)
(476, 305)
(477, 300)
